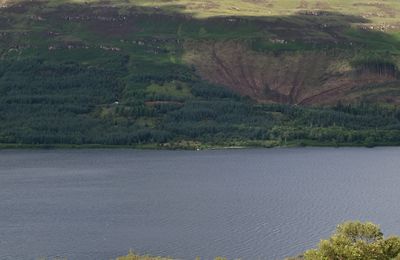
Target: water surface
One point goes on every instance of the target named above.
(253, 204)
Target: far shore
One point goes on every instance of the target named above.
(200, 147)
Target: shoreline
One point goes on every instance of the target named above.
(203, 147)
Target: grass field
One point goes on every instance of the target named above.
(379, 12)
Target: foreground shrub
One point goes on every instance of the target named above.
(356, 241)
(133, 256)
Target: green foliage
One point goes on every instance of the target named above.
(56, 103)
(351, 241)
(134, 256)
(209, 91)
(64, 81)
(356, 241)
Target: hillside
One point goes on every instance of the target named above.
(191, 73)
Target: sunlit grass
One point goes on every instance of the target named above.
(206, 8)
(133, 256)
(378, 12)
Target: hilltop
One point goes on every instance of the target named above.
(181, 73)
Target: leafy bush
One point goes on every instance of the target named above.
(356, 241)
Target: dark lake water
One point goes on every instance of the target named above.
(253, 204)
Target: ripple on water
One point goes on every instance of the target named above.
(267, 204)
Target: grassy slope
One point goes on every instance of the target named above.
(377, 11)
(153, 59)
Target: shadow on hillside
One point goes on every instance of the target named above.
(311, 27)
(155, 29)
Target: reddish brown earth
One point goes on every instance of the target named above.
(298, 78)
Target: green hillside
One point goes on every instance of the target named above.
(194, 74)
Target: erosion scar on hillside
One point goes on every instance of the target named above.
(306, 78)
